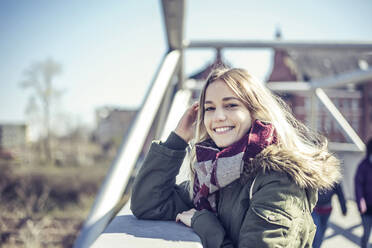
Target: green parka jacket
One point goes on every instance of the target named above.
(271, 208)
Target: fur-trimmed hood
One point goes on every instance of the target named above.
(321, 174)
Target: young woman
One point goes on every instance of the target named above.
(255, 170)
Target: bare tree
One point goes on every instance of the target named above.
(39, 77)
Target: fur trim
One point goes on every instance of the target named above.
(322, 174)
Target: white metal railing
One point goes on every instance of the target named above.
(280, 44)
(120, 171)
(180, 103)
(354, 77)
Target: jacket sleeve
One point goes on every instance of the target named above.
(155, 193)
(359, 181)
(278, 216)
(210, 230)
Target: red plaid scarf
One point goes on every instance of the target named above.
(215, 168)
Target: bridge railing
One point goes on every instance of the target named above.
(116, 180)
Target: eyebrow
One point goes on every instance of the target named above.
(225, 99)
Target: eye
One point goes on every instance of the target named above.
(209, 109)
(231, 105)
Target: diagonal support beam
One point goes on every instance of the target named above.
(347, 129)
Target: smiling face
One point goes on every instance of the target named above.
(226, 118)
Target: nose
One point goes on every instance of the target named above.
(219, 115)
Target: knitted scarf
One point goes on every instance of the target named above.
(215, 168)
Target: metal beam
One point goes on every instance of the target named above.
(174, 18)
(314, 111)
(349, 147)
(289, 86)
(345, 126)
(355, 77)
(181, 102)
(120, 171)
(164, 111)
(303, 45)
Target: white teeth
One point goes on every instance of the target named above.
(222, 129)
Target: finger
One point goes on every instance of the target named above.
(196, 106)
(179, 217)
(194, 111)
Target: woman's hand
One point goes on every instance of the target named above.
(185, 217)
(186, 126)
(363, 205)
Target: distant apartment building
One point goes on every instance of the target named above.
(12, 136)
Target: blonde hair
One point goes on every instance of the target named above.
(292, 135)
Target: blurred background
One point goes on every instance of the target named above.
(74, 74)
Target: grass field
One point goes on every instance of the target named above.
(45, 206)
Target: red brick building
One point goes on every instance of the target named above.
(353, 101)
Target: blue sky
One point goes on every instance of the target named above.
(110, 50)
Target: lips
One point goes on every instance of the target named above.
(222, 129)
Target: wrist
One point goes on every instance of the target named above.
(182, 135)
(175, 142)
